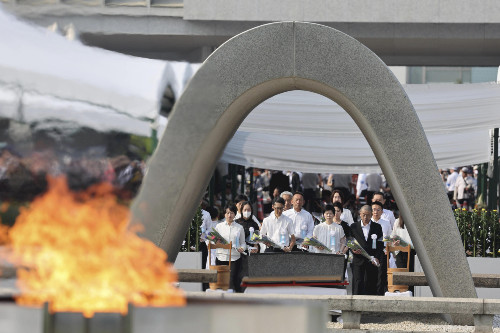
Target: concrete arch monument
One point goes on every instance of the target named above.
(279, 57)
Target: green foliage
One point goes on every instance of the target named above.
(192, 240)
(480, 232)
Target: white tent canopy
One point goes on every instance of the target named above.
(307, 132)
(43, 76)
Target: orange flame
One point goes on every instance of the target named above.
(79, 255)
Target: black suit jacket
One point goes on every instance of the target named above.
(357, 233)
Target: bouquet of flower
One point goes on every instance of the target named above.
(353, 244)
(215, 237)
(394, 239)
(316, 243)
(264, 240)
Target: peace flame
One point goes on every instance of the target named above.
(79, 256)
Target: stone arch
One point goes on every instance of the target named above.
(279, 57)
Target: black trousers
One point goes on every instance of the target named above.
(382, 277)
(204, 254)
(364, 278)
(234, 275)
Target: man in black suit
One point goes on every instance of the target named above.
(364, 271)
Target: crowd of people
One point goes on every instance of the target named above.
(332, 209)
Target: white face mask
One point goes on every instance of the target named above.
(246, 214)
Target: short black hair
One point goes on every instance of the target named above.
(279, 200)
(240, 197)
(300, 193)
(338, 205)
(329, 207)
(378, 203)
(213, 211)
(232, 207)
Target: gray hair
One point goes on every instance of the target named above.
(286, 193)
(366, 208)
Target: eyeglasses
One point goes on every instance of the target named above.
(376, 210)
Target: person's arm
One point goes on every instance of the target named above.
(343, 246)
(241, 240)
(310, 226)
(291, 245)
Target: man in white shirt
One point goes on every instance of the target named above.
(279, 228)
(386, 214)
(450, 182)
(303, 223)
(377, 210)
(373, 183)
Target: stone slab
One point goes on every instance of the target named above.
(297, 264)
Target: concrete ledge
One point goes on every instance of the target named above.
(357, 303)
(419, 279)
(197, 275)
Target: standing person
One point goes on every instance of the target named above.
(247, 222)
(346, 213)
(287, 196)
(310, 183)
(329, 233)
(460, 194)
(402, 257)
(303, 223)
(361, 187)
(450, 182)
(278, 180)
(337, 218)
(232, 232)
(364, 272)
(373, 183)
(377, 210)
(386, 214)
(279, 228)
(241, 201)
(342, 182)
(206, 226)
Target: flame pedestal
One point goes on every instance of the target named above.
(202, 314)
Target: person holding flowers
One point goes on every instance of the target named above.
(364, 271)
(232, 232)
(329, 233)
(279, 228)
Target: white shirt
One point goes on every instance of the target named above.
(389, 216)
(347, 216)
(402, 233)
(273, 227)
(361, 184)
(232, 233)
(302, 221)
(206, 218)
(366, 229)
(451, 180)
(386, 226)
(324, 233)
